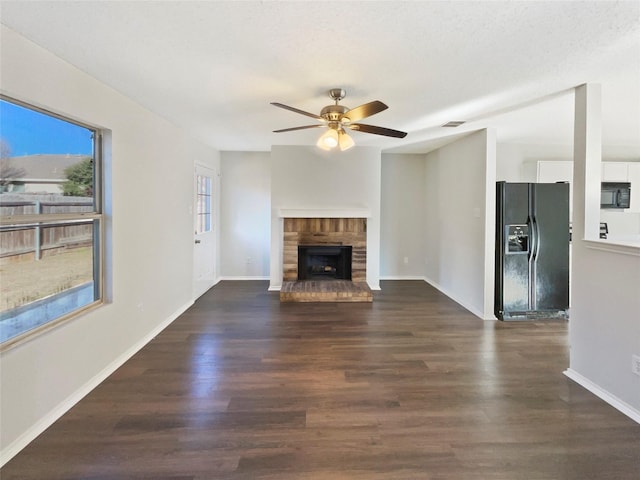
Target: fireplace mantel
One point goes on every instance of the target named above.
(324, 213)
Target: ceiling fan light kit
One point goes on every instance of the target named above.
(328, 139)
(338, 117)
(344, 140)
(335, 137)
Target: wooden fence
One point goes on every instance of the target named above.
(18, 242)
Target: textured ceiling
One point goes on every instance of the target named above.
(213, 67)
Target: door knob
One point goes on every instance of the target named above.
(197, 241)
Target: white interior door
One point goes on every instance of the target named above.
(204, 228)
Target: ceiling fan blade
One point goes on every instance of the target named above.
(298, 128)
(388, 132)
(365, 110)
(301, 112)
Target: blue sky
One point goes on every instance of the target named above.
(28, 132)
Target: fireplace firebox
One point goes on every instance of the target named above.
(324, 262)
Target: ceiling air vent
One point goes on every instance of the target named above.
(453, 123)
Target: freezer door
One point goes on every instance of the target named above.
(515, 289)
(512, 248)
(550, 246)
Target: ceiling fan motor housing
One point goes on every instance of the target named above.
(332, 113)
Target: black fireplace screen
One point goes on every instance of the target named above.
(324, 262)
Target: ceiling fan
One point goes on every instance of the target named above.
(338, 117)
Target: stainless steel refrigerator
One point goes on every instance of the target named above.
(532, 250)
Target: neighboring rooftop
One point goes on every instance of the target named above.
(40, 167)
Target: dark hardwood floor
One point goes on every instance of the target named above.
(411, 386)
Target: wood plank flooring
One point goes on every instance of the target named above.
(411, 386)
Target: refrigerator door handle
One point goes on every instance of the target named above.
(533, 239)
(533, 259)
(535, 248)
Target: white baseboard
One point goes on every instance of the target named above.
(245, 278)
(204, 289)
(45, 422)
(453, 297)
(612, 400)
(403, 277)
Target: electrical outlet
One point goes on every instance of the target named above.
(635, 365)
(406, 260)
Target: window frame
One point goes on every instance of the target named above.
(43, 220)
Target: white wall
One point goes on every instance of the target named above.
(460, 221)
(401, 217)
(246, 214)
(312, 179)
(604, 325)
(604, 328)
(150, 262)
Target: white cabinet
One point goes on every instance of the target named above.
(562, 171)
(551, 172)
(615, 172)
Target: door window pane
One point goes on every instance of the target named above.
(203, 204)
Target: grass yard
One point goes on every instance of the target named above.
(24, 282)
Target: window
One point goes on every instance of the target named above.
(50, 219)
(203, 204)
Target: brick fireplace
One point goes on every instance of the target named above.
(325, 232)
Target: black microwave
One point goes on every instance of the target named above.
(615, 195)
